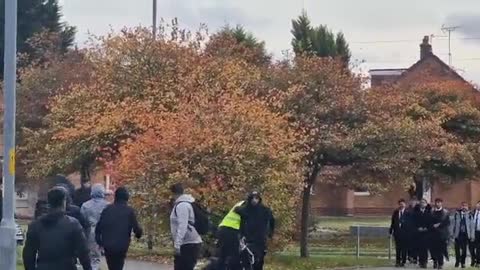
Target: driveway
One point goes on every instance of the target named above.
(137, 265)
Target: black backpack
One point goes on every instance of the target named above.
(202, 219)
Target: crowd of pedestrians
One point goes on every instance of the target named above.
(422, 232)
(73, 227)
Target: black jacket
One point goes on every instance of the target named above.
(55, 241)
(257, 224)
(399, 226)
(114, 229)
(422, 220)
(81, 195)
(443, 220)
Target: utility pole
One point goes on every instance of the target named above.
(449, 30)
(8, 245)
(154, 18)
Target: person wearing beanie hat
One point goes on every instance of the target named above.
(258, 224)
(114, 229)
(92, 210)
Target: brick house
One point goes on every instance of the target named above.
(334, 200)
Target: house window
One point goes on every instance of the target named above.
(361, 191)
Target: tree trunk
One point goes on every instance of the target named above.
(305, 221)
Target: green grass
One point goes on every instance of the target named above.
(342, 224)
(322, 262)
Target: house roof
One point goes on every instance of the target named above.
(436, 59)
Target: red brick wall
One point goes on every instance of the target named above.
(379, 204)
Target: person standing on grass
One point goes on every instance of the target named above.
(114, 229)
(55, 240)
(186, 240)
(92, 211)
(398, 229)
(440, 233)
(258, 224)
(422, 223)
(229, 240)
(462, 232)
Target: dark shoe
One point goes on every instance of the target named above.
(423, 266)
(397, 265)
(435, 265)
(463, 266)
(457, 264)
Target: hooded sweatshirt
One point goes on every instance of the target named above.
(258, 222)
(54, 241)
(182, 219)
(93, 208)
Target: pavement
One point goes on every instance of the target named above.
(138, 265)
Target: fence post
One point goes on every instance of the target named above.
(358, 241)
(390, 247)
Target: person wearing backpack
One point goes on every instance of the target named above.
(183, 225)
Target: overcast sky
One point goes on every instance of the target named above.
(382, 33)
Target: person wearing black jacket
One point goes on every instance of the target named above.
(399, 231)
(440, 233)
(114, 229)
(257, 225)
(55, 240)
(422, 220)
(411, 232)
(74, 211)
(82, 194)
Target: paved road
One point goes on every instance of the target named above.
(137, 265)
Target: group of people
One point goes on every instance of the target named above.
(420, 229)
(249, 222)
(75, 228)
(66, 233)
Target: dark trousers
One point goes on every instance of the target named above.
(438, 248)
(228, 249)
(422, 248)
(259, 251)
(401, 246)
(471, 248)
(188, 257)
(461, 244)
(477, 247)
(115, 260)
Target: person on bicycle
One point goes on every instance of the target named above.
(257, 225)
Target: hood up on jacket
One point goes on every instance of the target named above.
(51, 219)
(185, 198)
(98, 191)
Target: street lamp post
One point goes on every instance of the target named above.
(8, 244)
(154, 18)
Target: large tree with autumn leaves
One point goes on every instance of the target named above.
(204, 111)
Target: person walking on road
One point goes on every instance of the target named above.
(114, 229)
(422, 223)
(411, 232)
(440, 232)
(398, 229)
(229, 240)
(186, 240)
(258, 224)
(55, 240)
(73, 210)
(476, 226)
(92, 210)
(462, 232)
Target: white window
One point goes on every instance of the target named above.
(361, 191)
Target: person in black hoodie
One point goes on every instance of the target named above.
(82, 194)
(440, 225)
(422, 221)
(258, 224)
(114, 229)
(398, 229)
(55, 240)
(74, 211)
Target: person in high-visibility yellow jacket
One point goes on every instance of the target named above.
(229, 240)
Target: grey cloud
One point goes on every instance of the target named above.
(469, 24)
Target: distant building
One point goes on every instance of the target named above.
(333, 200)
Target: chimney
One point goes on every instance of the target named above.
(425, 48)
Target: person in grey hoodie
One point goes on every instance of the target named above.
(92, 211)
(186, 240)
